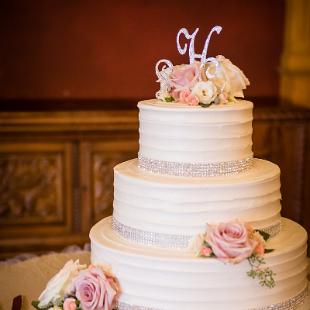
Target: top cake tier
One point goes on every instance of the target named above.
(176, 137)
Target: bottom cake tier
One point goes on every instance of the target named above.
(153, 278)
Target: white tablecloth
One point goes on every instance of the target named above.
(29, 278)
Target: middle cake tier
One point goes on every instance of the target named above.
(169, 211)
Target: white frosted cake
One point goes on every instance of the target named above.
(196, 221)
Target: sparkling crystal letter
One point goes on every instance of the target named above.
(161, 73)
(203, 56)
(191, 49)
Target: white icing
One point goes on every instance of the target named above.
(177, 280)
(180, 133)
(158, 278)
(176, 205)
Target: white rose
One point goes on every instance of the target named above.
(59, 285)
(228, 77)
(205, 91)
(196, 243)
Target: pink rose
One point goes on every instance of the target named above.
(184, 76)
(69, 304)
(230, 242)
(94, 289)
(205, 251)
(185, 96)
(223, 98)
(260, 247)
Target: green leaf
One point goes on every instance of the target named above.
(205, 105)
(169, 99)
(269, 250)
(35, 304)
(264, 275)
(264, 234)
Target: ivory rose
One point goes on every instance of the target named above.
(205, 91)
(69, 304)
(196, 243)
(94, 289)
(228, 78)
(184, 76)
(230, 242)
(59, 285)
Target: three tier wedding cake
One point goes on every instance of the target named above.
(196, 222)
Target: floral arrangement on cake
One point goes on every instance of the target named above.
(233, 242)
(78, 287)
(212, 80)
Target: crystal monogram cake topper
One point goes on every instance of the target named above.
(191, 48)
(204, 81)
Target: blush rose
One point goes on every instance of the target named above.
(94, 289)
(261, 244)
(184, 76)
(231, 242)
(186, 96)
(205, 251)
(69, 304)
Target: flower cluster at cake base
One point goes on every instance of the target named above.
(78, 287)
(216, 82)
(234, 242)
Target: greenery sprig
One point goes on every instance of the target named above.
(264, 275)
(169, 99)
(59, 303)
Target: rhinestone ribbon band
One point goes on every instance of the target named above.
(289, 304)
(150, 238)
(195, 169)
(166, 240)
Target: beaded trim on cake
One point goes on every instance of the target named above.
(194, 169)
(273, 230)
(150, 238)
(289, 304)
(162, 240)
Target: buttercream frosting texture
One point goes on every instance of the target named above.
(180, 133)
(158, 213)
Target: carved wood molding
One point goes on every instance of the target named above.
(60, 121)
(103, 164)
(35, 189)
(30, 188)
